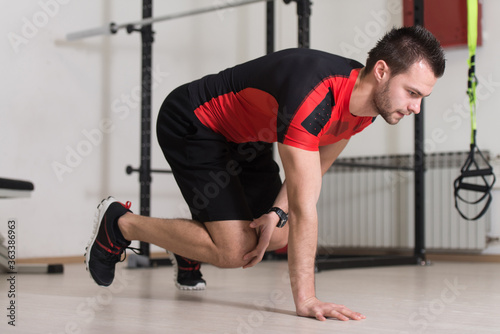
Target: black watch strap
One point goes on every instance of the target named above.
(282, 214)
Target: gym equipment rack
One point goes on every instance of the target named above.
(144, 26)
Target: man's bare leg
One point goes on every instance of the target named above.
(224, 244)
(221, 243)
(279, 238)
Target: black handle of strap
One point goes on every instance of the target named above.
(469, 170)
(460, 185)
(477, 172)
(474, 187)
(480, 214)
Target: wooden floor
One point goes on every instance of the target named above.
(442, 298)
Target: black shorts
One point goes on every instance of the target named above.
(219, 180)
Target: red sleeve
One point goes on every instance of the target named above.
(311, 117)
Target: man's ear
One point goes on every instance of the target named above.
(381, 71)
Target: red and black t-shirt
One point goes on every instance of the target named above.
(298, 97)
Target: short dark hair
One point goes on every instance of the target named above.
(402, 47)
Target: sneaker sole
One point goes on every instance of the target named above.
(197, 287)
(99, 213)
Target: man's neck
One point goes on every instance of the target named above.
(361, 98)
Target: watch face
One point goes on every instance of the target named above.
(284, 217)
(281, 214)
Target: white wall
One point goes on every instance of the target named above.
(62, 97)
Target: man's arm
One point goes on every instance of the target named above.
(303, 170)
(329, 153)
(267, 222)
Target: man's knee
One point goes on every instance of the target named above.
(279, 239)
(232, 257)
(281, 243)
(232, 240)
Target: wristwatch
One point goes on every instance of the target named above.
(283, 216)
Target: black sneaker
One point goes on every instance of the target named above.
(187, 273)
(107, 244)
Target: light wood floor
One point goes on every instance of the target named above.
(442, 298)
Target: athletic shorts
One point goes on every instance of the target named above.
(219, 180)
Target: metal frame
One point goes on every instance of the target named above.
(147, 40)
(419, 251)
(144, 26)
(113, 28)
(303, 12)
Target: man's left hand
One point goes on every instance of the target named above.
(265, 226)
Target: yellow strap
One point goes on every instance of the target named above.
(472, 18)
(472, 10)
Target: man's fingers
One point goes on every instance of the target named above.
(264, 235)
(350, 314)
(338, 315)
(321, 311)
(254, 224)
(249, 264)
(252, 263)
(258, 250)
(248, 256)
(320, 316)
(339, 312)
(357, 316)
(255, 256)
(345, 314)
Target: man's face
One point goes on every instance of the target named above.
(402, 94)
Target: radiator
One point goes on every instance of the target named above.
(366, 208)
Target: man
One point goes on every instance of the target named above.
(217, 133)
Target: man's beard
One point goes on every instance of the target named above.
(383, 106)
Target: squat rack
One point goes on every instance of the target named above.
(144, 26)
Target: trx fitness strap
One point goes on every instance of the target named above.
(473, 169)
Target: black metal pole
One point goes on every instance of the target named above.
(304, 13)
(146, 84)
(419, 251)
(270, 27)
